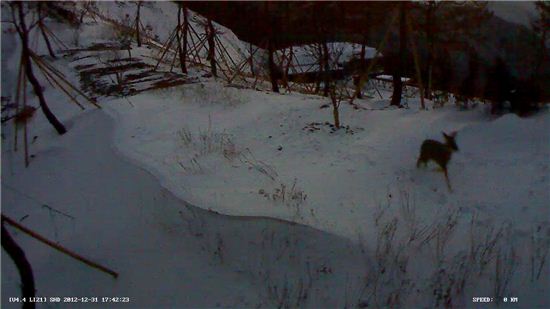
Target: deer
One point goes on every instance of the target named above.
(438, 152)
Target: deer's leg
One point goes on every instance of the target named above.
(447, 179)
(421, 161)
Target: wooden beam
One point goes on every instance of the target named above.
(58, 247)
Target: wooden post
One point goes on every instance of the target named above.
(166, 47)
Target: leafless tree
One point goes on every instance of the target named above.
(337, 89)
(26, 61)
(138, 22)
(210, 35)
(23, 266)
(397, 71)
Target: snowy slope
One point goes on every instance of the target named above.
(341, 183)
(499, 177)
(118, 215)
(161, 18)
(344, 176)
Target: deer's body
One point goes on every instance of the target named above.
(438, 152)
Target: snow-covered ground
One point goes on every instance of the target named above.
(80, 193)
(501, 164)
(372, 228)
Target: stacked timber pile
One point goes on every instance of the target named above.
(110, 69)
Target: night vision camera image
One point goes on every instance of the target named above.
(275, 154)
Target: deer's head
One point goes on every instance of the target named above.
(450, 140)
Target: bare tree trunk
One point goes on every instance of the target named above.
(210, 32)
(138, 37)
(398, 71)
(23, 266)
(182, 42)
(251, 60)
(361, 69)
(23, 33)
(41, 26)
(272, 69)
(288, 64)
(543, 52)
(336, 114)
(326, 70)
(318, 81)
(430, 49)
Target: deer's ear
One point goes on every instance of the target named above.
(453, 134)
(444, 134)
